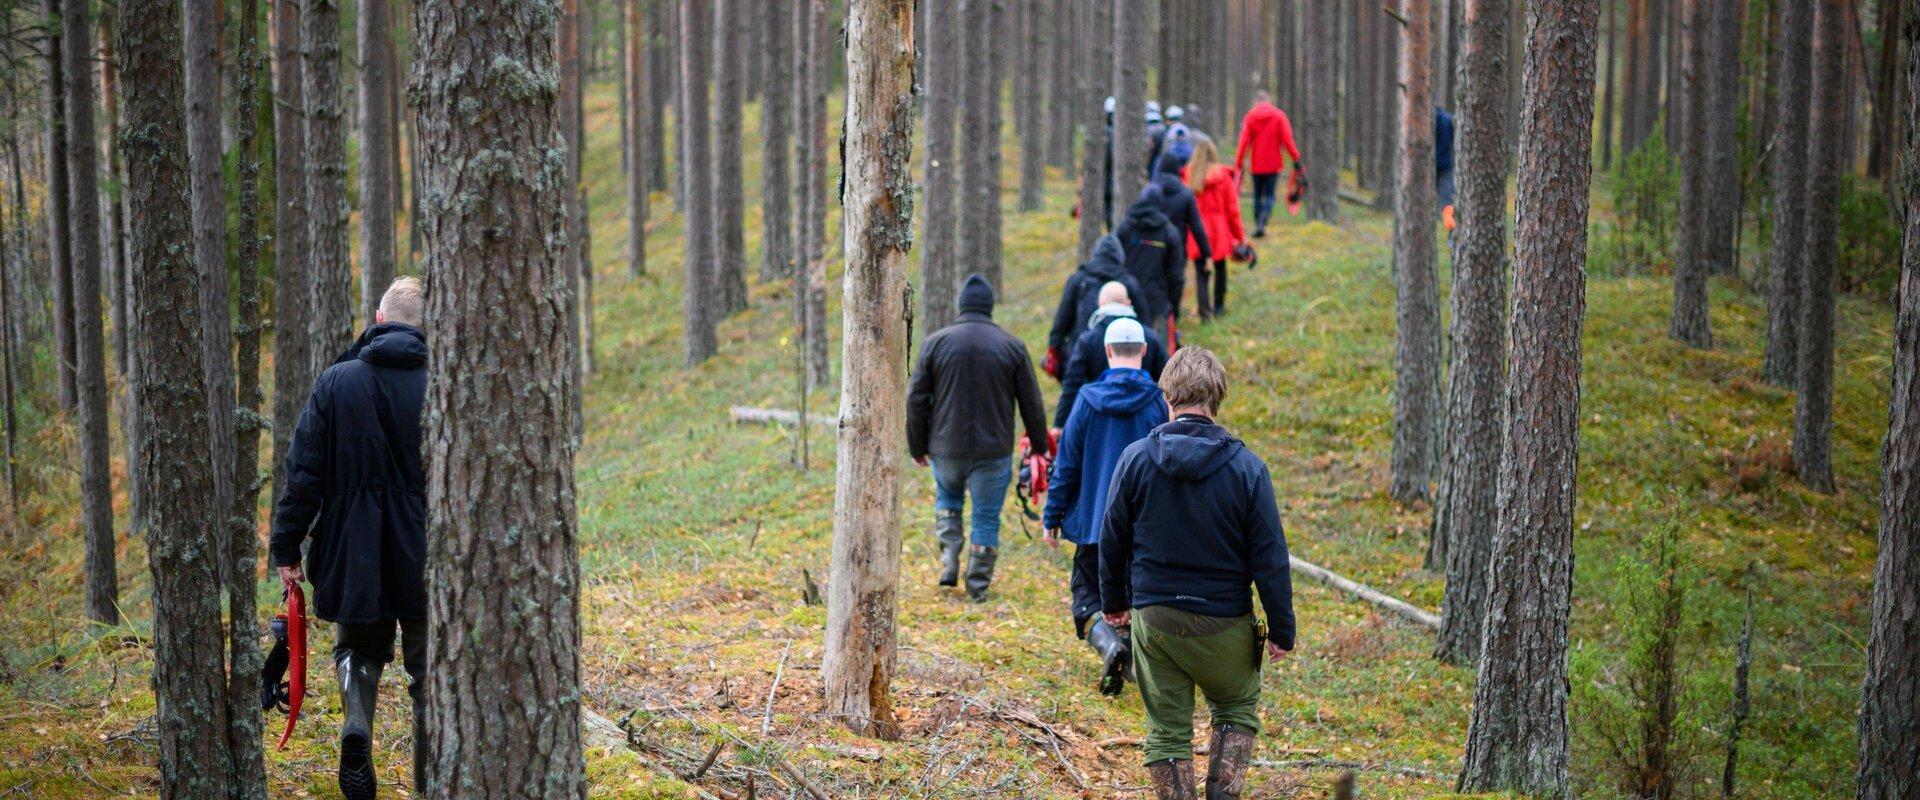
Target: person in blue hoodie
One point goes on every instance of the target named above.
(1191, 523)
(1109, 414)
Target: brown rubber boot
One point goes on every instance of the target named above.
(1227, 762)
(1172, 779)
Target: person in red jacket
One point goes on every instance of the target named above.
(1267, 138)
(1216, 189)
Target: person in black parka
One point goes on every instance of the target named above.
(355, 490)
(1157, 258)
(1080, 298)
(960, 421)
(1176, 200)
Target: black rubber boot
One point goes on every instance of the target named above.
(980, 572)
(947, 527)
(1116, 656)
(359, 691)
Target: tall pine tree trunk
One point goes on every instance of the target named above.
(1416, 383)
(695, 135)
(1063, 93)
(1322, 150)
(1467, 508)
(1689, 324)
(1826, 169)
(1518, 736)
(209, 220)
(637, 108)
(329, 273)
(863, 586)
(663, 77)
(578, 258)
(1612, 12)
(979, 143)
(90, 346)
(376, 155)
(292, 293)
(1129, 82)
(1889, 736)
(939, 261)
(776, 143)
(59, 239)
(729, 199)
(1787, 263)
(1723, 116)
(1029, 91)
(189, 666)
(1096, 125)
(819, 76)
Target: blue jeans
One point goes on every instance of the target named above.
(1264, 188)
(986, 479)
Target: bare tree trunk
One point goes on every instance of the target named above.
(1096, 126)
(1322, 149)
(1518, 737)
(1467, 508)
(695, 136)
(90, 346)
(582, 213)
(8, 388)
(805, 142)
(189, 665)
(979, 144)
(58, 225)
(819, 76)
(1130, 145)
(1063, 93)
(503, 710)
(209, 221)
(292, 292)
(329, 272)
(939, 261)
(1689, 324)
(662, 76)
(376, 155)
(1612, 11)
(1723, 31)
(636, 104)
(1813, 388)
(729, 200)
(1386, 110)
(1029, 91)
(119, 272)
(862, 589)
(1632, 92)
(1891, 690)
(1886, 89)
(776, 143)
(578, 258)
(1416, 384)
(1787, 263)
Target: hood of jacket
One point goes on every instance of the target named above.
(1190, 450)
(1145, 216)
(1121, 392)
(391, 344)
(1110, 311)
(1263, 110)
(1172, 161)
(1108, 261)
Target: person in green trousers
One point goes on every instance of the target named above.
(1191, 528)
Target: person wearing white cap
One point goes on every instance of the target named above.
(1120, 408)
(1086, 355)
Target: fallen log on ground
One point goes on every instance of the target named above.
(778, 416)
(1404, 609)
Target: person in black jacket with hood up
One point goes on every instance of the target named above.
(1191, 522)
(1080, 298)
(960, 410)
(1156, 258)
(1176, 200)
(1086, 356)
(354, 489)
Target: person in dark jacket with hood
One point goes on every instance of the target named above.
(355, 491)
(1157, 258)
(1191, 522)
(960, 410)
(1087, 356)
(1080, 298)
(1109, 414)
(1176, 200)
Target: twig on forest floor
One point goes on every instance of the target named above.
(766, 720)
(707, 763)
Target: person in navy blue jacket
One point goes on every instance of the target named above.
(1191, 524)
(1109, 414)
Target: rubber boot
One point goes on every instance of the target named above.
(1227, 762)
(1172, 779)
(980, 572)
(359, 691)
(420, 751)
(948, 528)
(1116, 656)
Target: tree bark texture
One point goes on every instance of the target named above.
(1517, 739)
(189, 665)
(638, 105)
(776, 143)
(1030, 92)
(663, 77)
(1689, 324)
(1813, 386)
(939, 263)
(695, 134)
(292, 292)
(1129, 82)
(1467, 508)
(1889, 766)
(1096, 127)
(90, 346)
(819, 77)
(1322, 146)
(1416, 381)
(1886, 88)
(1611, 10)
(863, 587)
(729, 200)
(377, 157)
(1723, 32)
(1787, 260)
(579, 259)
(1063, 93)
(503, 701)
(329, 273)
(209, 221)
(58, 225)
(979, 143)
(805, 142)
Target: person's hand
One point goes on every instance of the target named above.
(921, 460)
(289, 576)
(1275, 652)
(1052, 537)
(1118, 620)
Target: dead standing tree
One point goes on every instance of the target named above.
(1416, 385)
(1518, 736)
(863, 586)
